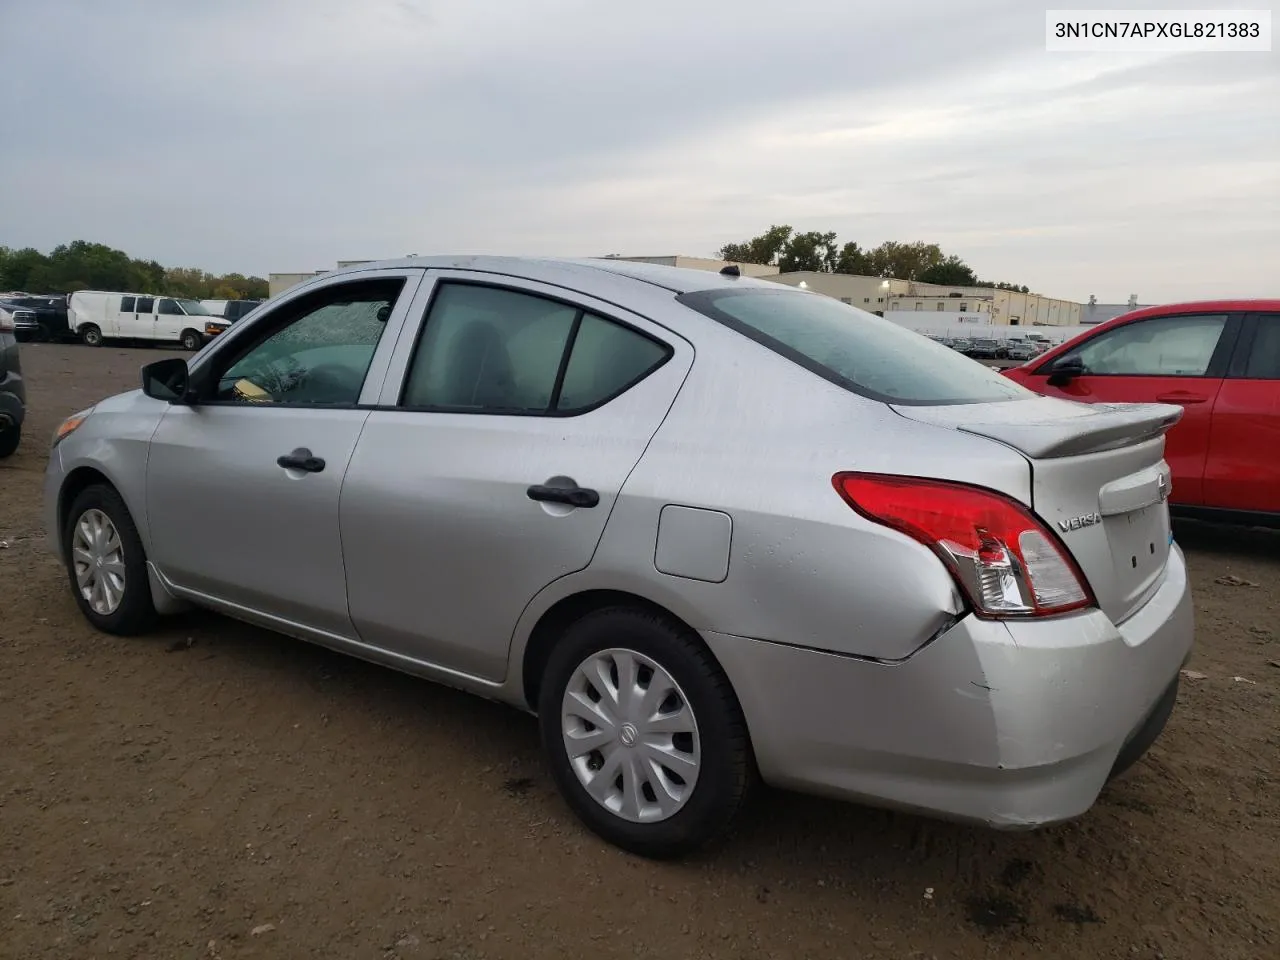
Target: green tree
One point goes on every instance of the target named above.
(951, 272)
(853, 259)
(82, 265)
(809, 251)
(905, 261)
(765, 249)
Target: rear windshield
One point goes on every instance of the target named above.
(859, 351)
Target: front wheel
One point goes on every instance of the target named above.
(643, 733)
(191, 340)
(91, 335)
(106, 563)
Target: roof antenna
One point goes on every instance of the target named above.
(730, 271)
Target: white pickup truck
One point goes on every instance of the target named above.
(96, 316)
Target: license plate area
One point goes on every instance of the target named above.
(1139, 543)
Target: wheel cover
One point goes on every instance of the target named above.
(630, 735)
(97, 556)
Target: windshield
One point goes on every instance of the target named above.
(851, 348)
(195, 308)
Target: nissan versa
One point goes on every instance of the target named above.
(709, 529)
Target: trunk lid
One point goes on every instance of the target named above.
(1098, 479)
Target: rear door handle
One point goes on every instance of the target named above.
(573, 496)
(301, 459)
(1179, 397)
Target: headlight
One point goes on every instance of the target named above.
(70, 426)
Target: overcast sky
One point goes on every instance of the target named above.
(282, 135)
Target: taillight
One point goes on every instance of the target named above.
(1007, 562)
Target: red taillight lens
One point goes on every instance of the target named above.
(1006, 561)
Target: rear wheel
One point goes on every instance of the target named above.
(91, 335)
(643, 733)
(106, 563)
(191, 340)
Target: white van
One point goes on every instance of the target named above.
(96, 316)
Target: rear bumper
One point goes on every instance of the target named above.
(1014, 725)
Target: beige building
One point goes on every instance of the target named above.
(879, 295)
(1006, 307)
(280, 282)
(872, 294)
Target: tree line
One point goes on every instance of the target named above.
(789, 251)
(95, 266)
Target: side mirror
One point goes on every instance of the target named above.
(168, 380)
(1063, 371)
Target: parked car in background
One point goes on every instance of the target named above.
(961, 344)
(541, 481)
(1020, 350)
(13, 393)
(213, 326)
(985, 349)
(1219, 361)
(96, 316)
(230, 310)
(37, 318)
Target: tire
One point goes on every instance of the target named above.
(134, 613)
(9, 440)
(710, 795)
(91, 335)
(191, 340)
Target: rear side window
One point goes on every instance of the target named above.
(1264, 357)
(127, 304)
(145, 304)
(494, 350)
(865, 354)
(606, 359)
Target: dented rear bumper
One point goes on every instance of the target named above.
(1010, 724)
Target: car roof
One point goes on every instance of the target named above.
(565, 270)
(1197, 306)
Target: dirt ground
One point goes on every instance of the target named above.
(217, 791)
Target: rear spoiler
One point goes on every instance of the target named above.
(1046, 428)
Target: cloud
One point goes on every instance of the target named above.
(268, 135)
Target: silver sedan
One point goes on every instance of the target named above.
(710, 530)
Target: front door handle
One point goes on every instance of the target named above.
(573, 496)
(301, 459)
(1179, 397)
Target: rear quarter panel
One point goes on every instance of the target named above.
(759, 438)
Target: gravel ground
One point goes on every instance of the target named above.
(214, 791)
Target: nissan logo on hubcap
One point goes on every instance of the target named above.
(628, 735)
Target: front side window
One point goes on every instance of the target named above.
(194, 308)
(493, 350)
(867, 355)
(317, 349)
(1160, 347)
(127, 304)
(168, 308)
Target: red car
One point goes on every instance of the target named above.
(1220, 361)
